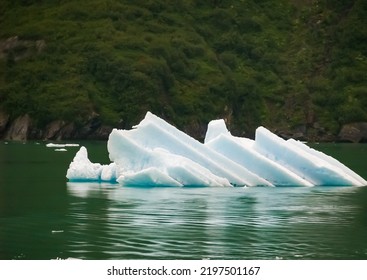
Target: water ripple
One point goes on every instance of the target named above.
(256, 223)
(111, 222)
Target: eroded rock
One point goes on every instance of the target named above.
(19, 128)
(353, 132)
(4, 119)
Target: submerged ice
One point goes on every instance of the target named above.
(155, 153)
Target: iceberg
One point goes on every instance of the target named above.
(155, 153)
(153, 133)
(82, 169)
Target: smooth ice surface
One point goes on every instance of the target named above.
(215, 128)
(149, 177)
(309, 166)
(139, 161)
(332, 161)
(154, 132)
(155, 153)
(245, 155)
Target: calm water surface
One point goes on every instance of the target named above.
(44, 217)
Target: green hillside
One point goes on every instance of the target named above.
(283, 64)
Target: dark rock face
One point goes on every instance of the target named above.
(101, 133)
(93, 130)
(19, 128)
(52, 129)
(4, 119)
(66, 132)
(22, 129)
(311, 133)
(353, 132)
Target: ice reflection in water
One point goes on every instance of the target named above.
(110, 221)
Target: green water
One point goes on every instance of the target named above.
(44, 217)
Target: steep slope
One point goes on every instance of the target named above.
(78, 68)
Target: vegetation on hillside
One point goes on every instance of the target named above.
(278, 63)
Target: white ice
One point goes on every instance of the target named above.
(82, 169)
(245, 155)
(332, 161)
(301, 160)
(216, 128)
(52, 145)
(155, 153)
(60, 150)
(153, 132)
(140, 165)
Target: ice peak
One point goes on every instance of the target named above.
(215, 128)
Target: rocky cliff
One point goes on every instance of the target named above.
(23, 128)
